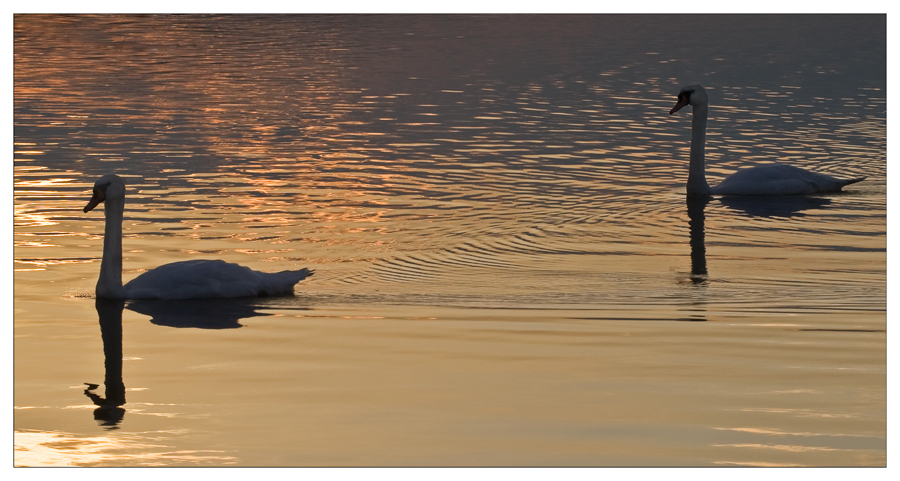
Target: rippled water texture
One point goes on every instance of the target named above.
(507, 270)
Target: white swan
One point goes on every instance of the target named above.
(179, 280)
(773, 179)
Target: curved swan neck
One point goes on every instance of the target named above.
(696, 184)
(109, 285)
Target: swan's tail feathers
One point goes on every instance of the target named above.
(297, 276)
(280, 283)
(841, 183)
(853, 181)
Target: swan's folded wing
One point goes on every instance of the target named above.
(198, 279)
(777, 179)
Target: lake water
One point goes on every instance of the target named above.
(507, 270)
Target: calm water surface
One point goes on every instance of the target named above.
(507, 270)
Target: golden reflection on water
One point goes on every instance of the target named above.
(58, 449)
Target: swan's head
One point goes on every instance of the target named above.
(110, 186)
(694, 95)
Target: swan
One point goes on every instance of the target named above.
(771, 179)
(194, 279)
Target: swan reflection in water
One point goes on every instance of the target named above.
(696, 221)
(696, 310)
(773, 206)
(196, 313)
(750, 206)
(109, 409)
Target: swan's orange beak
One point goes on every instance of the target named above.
(682, 101)
(98, 197)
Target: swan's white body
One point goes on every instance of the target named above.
(196, 279)
(772, 179)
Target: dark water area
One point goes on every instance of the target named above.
(508, 272)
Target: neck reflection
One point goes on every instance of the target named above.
(109, 411)
(696, 221)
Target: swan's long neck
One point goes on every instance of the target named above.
(696, 184)
(109, 285)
